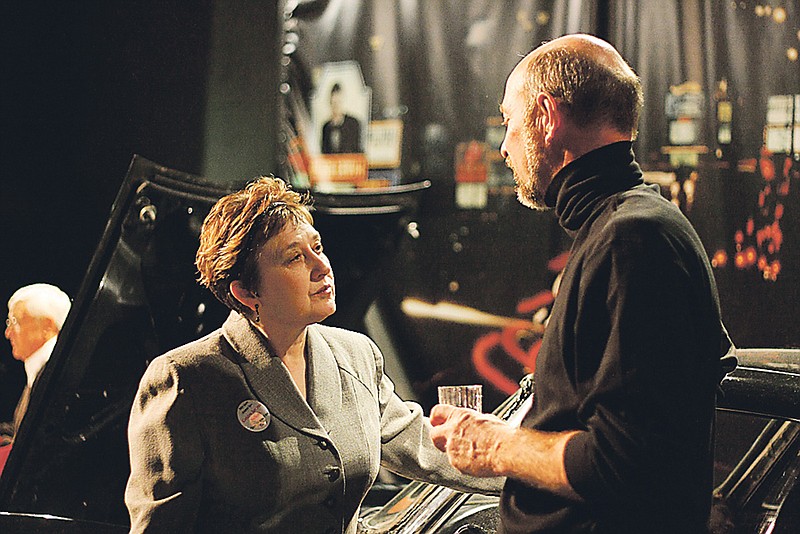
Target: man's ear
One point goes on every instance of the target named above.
(552, 116)
(49, 327)
(248, 298)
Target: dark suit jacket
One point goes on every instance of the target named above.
(195, 467)
(342, 139)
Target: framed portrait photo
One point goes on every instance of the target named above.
(340, 109)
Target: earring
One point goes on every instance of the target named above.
(258, 315)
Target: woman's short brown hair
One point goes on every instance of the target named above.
(236, 228)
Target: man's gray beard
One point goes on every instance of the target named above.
(530, 199)
(537, 163)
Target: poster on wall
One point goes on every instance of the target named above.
(340, 114)
(340, 108)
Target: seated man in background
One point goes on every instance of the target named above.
(36, 314)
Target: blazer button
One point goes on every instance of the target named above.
(322, 444)
(332, 472)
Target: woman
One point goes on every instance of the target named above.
(273, 423)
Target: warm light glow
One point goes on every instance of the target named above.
(719, 259)
(777, 235)
(456, 313)
(750, 255)
(524, 20)
(542, 18)
(376, 42)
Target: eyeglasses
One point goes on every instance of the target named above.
(11, 321)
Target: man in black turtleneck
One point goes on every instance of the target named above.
(619, 438)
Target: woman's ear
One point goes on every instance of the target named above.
(248, 298)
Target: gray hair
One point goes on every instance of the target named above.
(593, 81)
(43, 300)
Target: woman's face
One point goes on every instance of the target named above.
(295, 282)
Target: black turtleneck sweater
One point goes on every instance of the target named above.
(630, 358)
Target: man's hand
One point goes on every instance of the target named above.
(482, 445)
(470, 439)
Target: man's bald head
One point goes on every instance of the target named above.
(587, 44)
(589, 78)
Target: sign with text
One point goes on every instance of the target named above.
(384, 144)
(338, 171)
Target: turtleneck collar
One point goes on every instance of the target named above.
(583, 184)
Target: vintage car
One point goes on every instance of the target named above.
(68, 466)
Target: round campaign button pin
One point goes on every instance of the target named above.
(253, 415)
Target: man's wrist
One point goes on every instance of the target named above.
(503, 453)
(533, 457)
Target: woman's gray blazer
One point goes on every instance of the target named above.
(196, 468)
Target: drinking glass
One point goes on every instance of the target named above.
(464, 396)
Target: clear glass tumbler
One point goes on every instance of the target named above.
(464, 396)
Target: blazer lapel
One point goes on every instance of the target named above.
(325, 383)
(269, 378)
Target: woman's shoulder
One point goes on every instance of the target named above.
(207, 350)
(341, 337)
(197, 365)
(347, 345)
(354, 352)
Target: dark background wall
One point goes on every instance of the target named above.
(85, 85)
